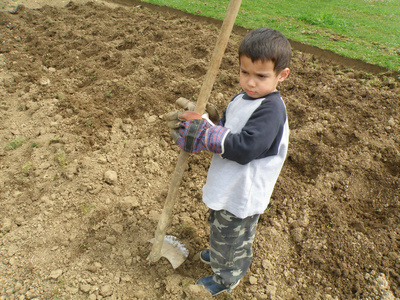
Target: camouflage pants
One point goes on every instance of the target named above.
(231, 240)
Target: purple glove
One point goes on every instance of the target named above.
(197, 134)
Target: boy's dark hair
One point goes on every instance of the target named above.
(267, 44)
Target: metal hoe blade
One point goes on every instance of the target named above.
(173, 250)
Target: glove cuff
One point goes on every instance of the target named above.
(215, 138)
(191, 135)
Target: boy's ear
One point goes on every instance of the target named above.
(283, 74)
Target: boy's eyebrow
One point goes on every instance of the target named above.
(260, 73)
(263, 73)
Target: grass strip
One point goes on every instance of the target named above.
(367, 30)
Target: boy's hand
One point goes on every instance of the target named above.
(211, 110)
(173, 118)
(197, 133)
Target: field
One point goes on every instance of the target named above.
(367, 30)
(86, 160)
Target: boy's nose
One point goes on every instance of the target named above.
(251, 82)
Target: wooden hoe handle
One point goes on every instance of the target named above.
(205, 92)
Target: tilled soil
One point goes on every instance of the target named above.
(86, 160)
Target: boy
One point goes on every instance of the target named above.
(250, 145)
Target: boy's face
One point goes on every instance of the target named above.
(258, 78)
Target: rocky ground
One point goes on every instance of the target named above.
(86, 160)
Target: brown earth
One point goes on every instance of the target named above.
(86, 160)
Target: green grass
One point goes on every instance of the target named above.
(368, 30)
(14, 144)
